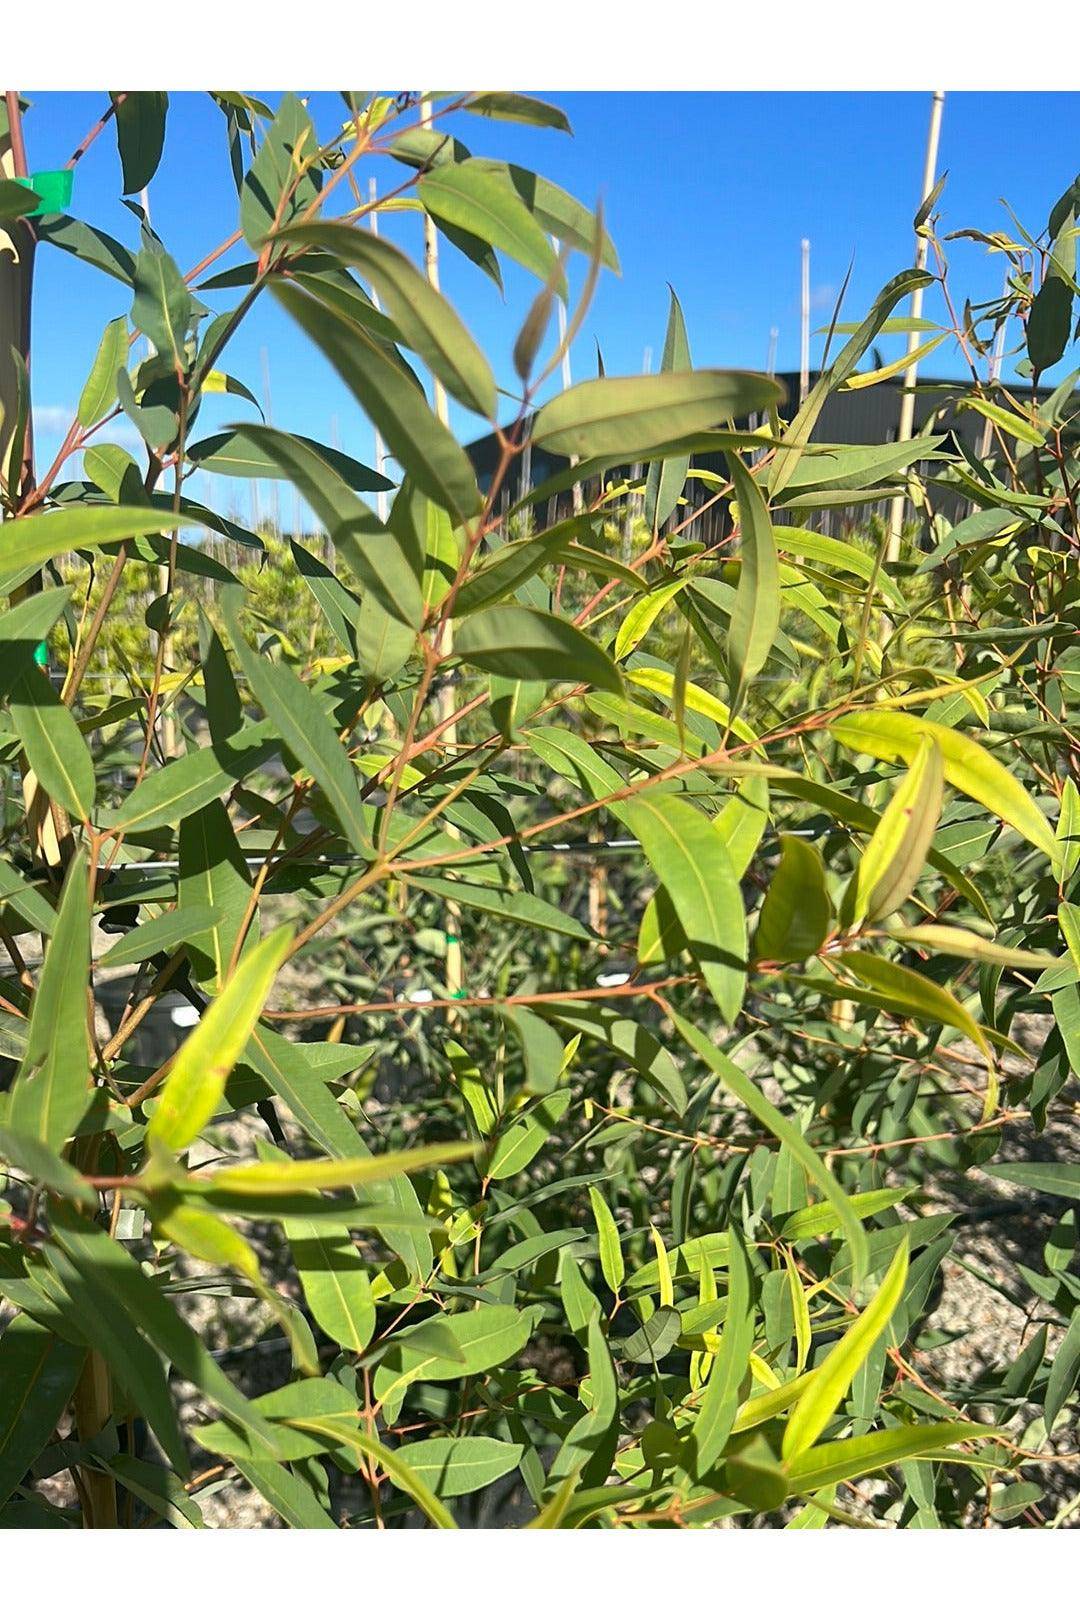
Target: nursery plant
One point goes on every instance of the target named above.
(690, 933)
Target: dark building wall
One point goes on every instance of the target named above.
(860, 416)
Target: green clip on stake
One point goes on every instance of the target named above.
(53, 189)
(41, 655)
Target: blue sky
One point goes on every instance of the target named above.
(710, 191)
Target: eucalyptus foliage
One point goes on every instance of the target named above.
(627, 1185)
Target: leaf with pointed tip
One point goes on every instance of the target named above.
(629, 416)
(51, 1088)
(832, 1378)
(966, 764)
(690, 859)
(796, 912)
(196, 1080)
(414, 435)
(426, 321)
(38, 1373)
(893, 860)
(523, 643)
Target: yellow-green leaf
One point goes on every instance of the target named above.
(196, 1081)
(894, 857)
(833, 1378)
(967, 766)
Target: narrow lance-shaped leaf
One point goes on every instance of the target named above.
(665, 479)
(426, 321)
(690, 858)
(832, 1379)
(966, 765)
(303, 727)
(893, 859)
(755, 617)
(196, 1080)
(629, 416)
(716, 1415)
(415, 437)
(55, 747)
(744, 1089)
(50, 1092)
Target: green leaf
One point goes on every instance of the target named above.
(796, 912)
(290, 1496)
(305, 1174)
(414, 435)
(24, 626)
(629, 416)
(294, 1075)
(196, 1080)
(186, 785)
(665, 480)
(518, 907)
(54, 745)
(45, 1167)
(842, 1460)
(518, 109)
(744, 1089)
(214, 894)
(31, 541)
(1060, 1179)
(1064, 1372)
(971, 947)
(967, 766)
(611, 1257)
(245, 452)
(51, 1088)
(797, 436)
(523, 1139)
(628, 1040)
(135, 1300)
(489, 1336)
(140, 135)
(162, 307)
(832, 1379)
(893, 860)
(522, 643)
(452, 1466)
(819, 1219)
(426, 321)
(1068, 832)
(914, 994)
(690, 859)
(484, 202)
(716, 1414)
(303, 727)
(16, 200)
(755, 618)
(279, 185)
(651, 1342)
(99, 390)
(38, 1373)
(837, 554)
(385, 565)
(334, 1279)
(397, 1470)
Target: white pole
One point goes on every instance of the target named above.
(380, 448)
(567, 381)
(445, 698)
(907, 404)
(770, 364)
(804, 364)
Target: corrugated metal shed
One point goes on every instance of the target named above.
(858, 416)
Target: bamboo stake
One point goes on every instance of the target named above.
(907, 405)
(444, 700)
(380, 447)
(804, 323)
